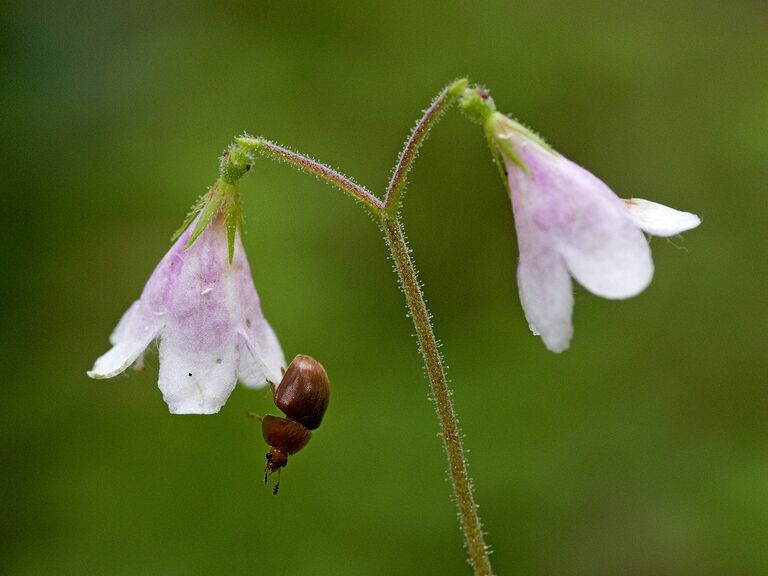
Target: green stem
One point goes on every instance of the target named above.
(418, 135)
(386, 213)
(462, 487)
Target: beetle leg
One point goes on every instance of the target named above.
(276, 487)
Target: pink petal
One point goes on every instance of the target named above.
(580, 217)
(547, 298)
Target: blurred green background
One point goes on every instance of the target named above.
(642, 450)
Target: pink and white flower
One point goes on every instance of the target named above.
(205, 313)
(570, 224)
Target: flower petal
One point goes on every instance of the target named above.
(547, 298)
(590, 226)
(610, 258)
(133, 334)
(659, 220)
(118, 358)
(569, 222)
(261, 358)
(215, 328)
(602, 247)
(196, 381)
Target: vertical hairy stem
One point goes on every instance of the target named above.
(386, 213)
(465, 502)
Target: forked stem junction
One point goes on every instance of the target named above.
(386, 213)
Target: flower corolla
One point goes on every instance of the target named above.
(201, 305)
(570, 224)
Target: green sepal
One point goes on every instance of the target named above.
(476, 102)
(498, 125)
(535, 137)
(506, 148)
(223, 198)
(499, 162)
(209, 211)
(194, 211)
(234, 220)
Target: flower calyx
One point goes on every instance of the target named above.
(222, 198)
(476, 102)
(506, 135)
(235, 163)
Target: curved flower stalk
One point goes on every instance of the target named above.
(570, 224)
(200, 303)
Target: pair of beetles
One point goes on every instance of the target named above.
(302, 395)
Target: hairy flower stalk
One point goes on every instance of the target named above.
(200, 304)
(441, 394)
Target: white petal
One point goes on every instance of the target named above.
(547, 298)
(660, 220)
(196, 381)
(118, 358)
(124, 326)
(130, 338)
(261, 358)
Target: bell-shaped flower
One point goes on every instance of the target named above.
(200, 304)
(570, 224)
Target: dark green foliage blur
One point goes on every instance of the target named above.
(643, 450)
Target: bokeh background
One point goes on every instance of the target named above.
(642, 450)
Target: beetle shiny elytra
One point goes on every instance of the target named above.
(302, 395)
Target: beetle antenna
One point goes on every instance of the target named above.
(254, 416)
(276, 487)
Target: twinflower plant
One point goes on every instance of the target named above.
(202, 307)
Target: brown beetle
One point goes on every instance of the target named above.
(303, 396)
